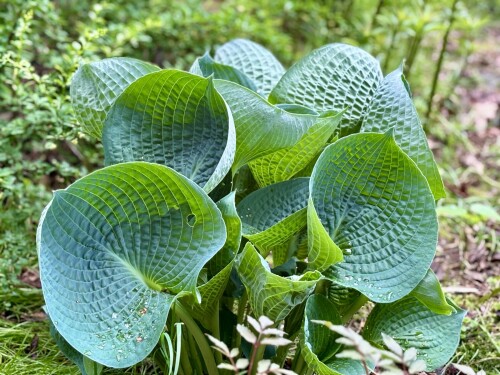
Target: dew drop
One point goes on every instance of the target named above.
(114, 316)
(139, 339)
(87, 353)
(348, 277)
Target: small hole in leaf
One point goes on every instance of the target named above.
(191, 220)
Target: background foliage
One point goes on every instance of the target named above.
(42, 43)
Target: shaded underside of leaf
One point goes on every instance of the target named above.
(334, 77)
(205, 66)
(273, 214)
(115, 250)
(176, 119)
(392, 107)
(285, 163)
(254, 61)
(412, 324)
(318, 342)
(261, 128)
(377, 207)
(95, 87)
(270, 294)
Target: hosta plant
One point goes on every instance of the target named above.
(243, 189)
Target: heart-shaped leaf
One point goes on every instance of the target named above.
(176, 119)
(205, 66)
(254, 61)
(392, 107)
(285, 163)
(270, 294)
(412, 324)
(334, 77)
(429, 292)
(273, 214)
(95, 87)
(261, 128)
(318, 344)
(115, 250)
(377, 207)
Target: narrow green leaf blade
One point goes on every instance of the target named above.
(392, 107)
(115, 250)
(95, 87)
(334, 77)
(253, 60)
(261, 128)
(285, 163)
(412, 324)
(377, 207)
(273, 214)
(270, 294)
(176, 119)
(429, 292)
(205, 66)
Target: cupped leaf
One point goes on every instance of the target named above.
(377, 207)
(429, 292)
(253, 60)
(270, 294)
(273, 214)
(115, 250)
(392, 107)
(317, 342)
(334, 77)
(412, 324)
(261, 128)
(205, 66)
(95, 87)
(344, 299)
(176, 119)
(285, 163)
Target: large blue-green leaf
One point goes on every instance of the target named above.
(270, 294)
(429, 292)
(95, 87)
(285, 163)
(261, 128)
(318, 344)
(254, 61)
(273, 214)
(412, 324)
(334, 77)
(377, 207)
(205, 66)
(176, 119)
(392, 107)
(115, 250)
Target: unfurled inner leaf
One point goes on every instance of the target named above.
(176, 119)
(116, 248)
(318, 344)
(261, 128)
(95, 87)
(377, 207)
(412, 324)
(392, 107)
(273, 214)
(285, 163)
(429, 292)
(334, 77)
(205, 66)
(254, 61)
(270, 294)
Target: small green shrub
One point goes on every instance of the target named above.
(241, 187)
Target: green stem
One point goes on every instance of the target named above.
(358, 303)
(215, 328)
(391, 47)
(256, 356)
(242, 304)
(194, 357)
(374, 21)
(440, 62)
(298, 362)
(198, 335)
(185, 364)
